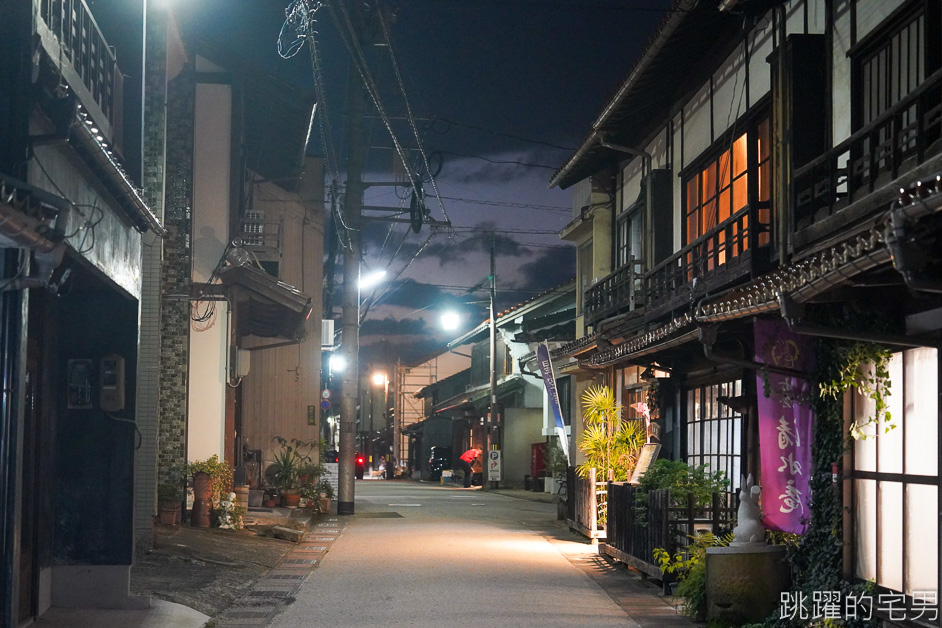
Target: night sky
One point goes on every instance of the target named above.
(505, 91)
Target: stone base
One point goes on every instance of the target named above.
(744, 584)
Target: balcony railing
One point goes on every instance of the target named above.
(622, 291)
(715, 259)
(74, 42)
(263, 239)
(906, 135)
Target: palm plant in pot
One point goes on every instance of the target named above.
(291, 459)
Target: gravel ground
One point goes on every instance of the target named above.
(205, 569)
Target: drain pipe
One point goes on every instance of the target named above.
(648, 191)
(708, 339)
(793, 313)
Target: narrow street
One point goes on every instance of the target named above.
(425, 555)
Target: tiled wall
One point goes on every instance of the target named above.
(175, 321)
(148, 381)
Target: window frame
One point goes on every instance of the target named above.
(904, 479)
(881, 39)
(756, 165)
(694, 452)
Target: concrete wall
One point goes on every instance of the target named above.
(522, 426)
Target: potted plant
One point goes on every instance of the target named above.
(169, 497)
(555, 461)
(292, 458)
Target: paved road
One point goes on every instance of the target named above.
(425, 555)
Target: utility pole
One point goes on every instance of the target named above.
(493, 423)
(353, 204)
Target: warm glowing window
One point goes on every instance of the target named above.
(717, 193)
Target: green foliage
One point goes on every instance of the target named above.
(171, 488)
(169, 492)
(689, 567)
(684, 480)
(292, 462)
(864, 366)
(816, 558)
(219, 471)
(554, 459)
(610, 443)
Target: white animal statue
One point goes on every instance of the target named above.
(749, 529)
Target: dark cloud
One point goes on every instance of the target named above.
(550, 268)
(394, 327)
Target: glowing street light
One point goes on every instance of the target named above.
(450, 321)
(368, 281)
(337, 363)
(379, 379)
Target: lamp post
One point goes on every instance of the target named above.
(493, 436)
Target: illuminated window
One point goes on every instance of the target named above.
(717, 194)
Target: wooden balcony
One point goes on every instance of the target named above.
(854, 178)
(262, 239)
(620, 292)
(75, 45)
(737, 248)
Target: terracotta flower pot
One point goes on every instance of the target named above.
(202, 488)
(290, 499)
(168, 513)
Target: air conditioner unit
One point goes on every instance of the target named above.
(327, 334)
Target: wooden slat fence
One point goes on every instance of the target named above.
(640, 521)
(585, 496)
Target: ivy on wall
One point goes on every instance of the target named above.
(816, 556)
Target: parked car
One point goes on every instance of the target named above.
(439, 461)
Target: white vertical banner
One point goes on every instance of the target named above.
(549, 381)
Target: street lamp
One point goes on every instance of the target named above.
(450, 321)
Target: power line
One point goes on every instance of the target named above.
(499, 161)
(475, 201)
(432, 122)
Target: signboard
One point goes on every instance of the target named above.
(493, 466)
(785, 426)
(312, 415)
(647, 456)
(332, 475)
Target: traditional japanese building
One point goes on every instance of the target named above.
(738, 211)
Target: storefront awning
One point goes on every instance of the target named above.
(262, 305)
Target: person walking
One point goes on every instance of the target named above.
(464, 463)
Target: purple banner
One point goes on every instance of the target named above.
(785, 421)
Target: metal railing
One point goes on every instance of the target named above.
(74, 42)
(905, 136)
(621, 291)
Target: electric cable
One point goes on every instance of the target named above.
(409, 116)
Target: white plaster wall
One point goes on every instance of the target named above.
(871, 12)
(658, 150)
(207, 388)
(760, 47)
(840, 77)
(631, 184)
(209, 342)
(697, 137)
(729, 92)
(211, 177)
(678, 165)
